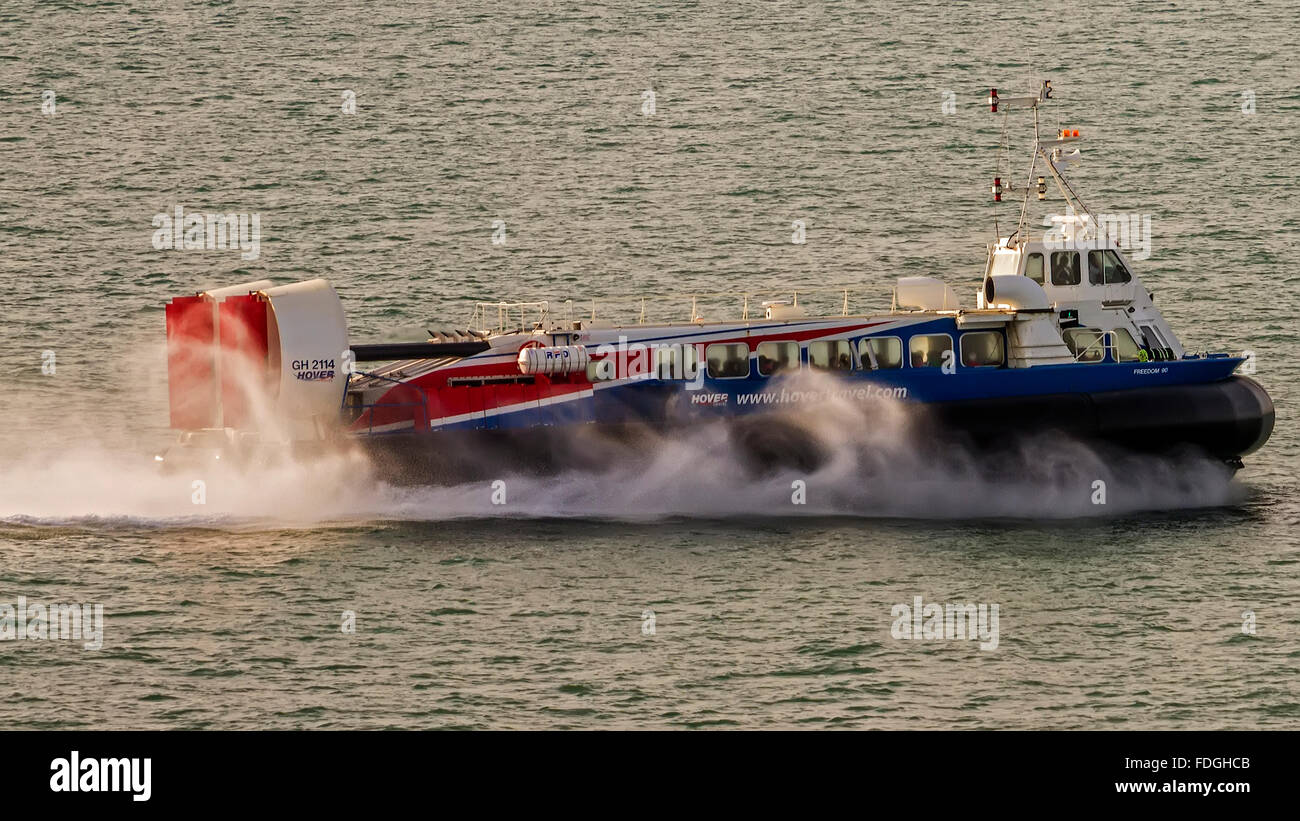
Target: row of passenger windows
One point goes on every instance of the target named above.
(978, 349)
(1104, 268)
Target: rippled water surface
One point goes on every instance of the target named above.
(536, 613)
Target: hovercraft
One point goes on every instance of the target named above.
(1060, 336)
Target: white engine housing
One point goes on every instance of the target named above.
(924, 294)
(1017, 292)
(307, 346)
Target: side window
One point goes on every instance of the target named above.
(831, 355)
(1116, 273)
(676, 361)
(881, 352)
(928, 351)
(728, 360)
(1104, 268)
(600, 370)
(691, 359)
(1065, 268)
(982, 349)
(1034, 268)
(1126, 350)
(1085, 344)
(1150, 337)
(774, 357)
(1096, 275)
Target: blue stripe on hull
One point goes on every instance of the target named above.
(654, 400)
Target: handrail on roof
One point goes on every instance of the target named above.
(506, 312)
(502, 317)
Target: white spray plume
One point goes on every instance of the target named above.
(875, 466)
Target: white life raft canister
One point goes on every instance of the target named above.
(560, 359)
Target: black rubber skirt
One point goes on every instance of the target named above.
(1225, 420)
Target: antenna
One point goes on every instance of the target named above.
(1053, 154)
